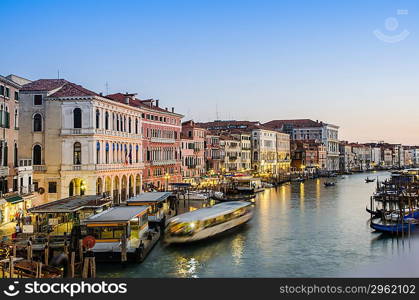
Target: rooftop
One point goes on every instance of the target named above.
(298, 123)
(117, 214)
(150, 197)
(71, 204)
(44, 85)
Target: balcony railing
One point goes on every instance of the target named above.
(39, 168)
(163, 162)
(4, 171)
(92, 131)
(27, 189)
(162, 140)
(101, 167)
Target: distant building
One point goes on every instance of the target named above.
(305, 130)
(192, 151)
(212, 153)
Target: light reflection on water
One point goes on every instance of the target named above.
(298, 230)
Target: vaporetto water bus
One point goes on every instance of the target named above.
(207, 222)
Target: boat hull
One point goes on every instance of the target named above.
(393, 228)
(209, 232)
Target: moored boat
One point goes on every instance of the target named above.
(329, 184)
(368, 180)
(207, 222)
(393, 227)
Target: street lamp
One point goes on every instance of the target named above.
(167, 177)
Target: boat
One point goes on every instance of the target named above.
(393, 227)
(368, 180)
(329, 184)
(207, 222)
(376, 213)
(298, 179)
(228, 198)
(267, 185)
(121, 231)
(194, 195)
(249, 185)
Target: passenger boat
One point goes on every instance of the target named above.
(249, 185)
(329, 184)
(368, 180)
(207, 222)
(121, 230)
(298, 179)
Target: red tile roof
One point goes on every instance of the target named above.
(44, 85)
(299, 123)
(73, 90)
(120, 97)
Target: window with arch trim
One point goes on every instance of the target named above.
(37, 122)
(77, 153)
(37, 155)
(97, 119)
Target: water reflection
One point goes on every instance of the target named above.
(298, 230)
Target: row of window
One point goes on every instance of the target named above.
(5, 92)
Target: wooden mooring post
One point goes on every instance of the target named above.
(29, 250)
(11, 266)
(46, 253)
(89, 267)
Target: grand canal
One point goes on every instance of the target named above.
(298, 230)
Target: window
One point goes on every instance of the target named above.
(98, 153)
(129, 124)
(17, 96)
(136, 126)
(37, 100)
(15, 156)
(1, 90)
(37, 155)
(77, 117)
(52, 187)
(77, 153)
(7, 92)
(106, 120)
(97, 118)
(107, 153)
(6, 155)
(37, 122)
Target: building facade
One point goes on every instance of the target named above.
(192, 151)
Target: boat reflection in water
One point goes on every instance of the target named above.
(207, 222)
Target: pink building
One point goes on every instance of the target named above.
(193, 150)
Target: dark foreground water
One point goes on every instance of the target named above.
(298, 230)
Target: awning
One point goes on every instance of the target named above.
(14, 199)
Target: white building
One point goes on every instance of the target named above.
(80, 142)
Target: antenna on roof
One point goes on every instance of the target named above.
(58, 73)
(216, 111)
(107, 88)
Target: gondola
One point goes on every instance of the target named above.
(376, 214)
(368, 180)
(329, 184)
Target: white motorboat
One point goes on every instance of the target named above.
(207, 222)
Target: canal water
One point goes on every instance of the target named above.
(298, 230)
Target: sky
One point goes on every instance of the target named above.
(350, 63)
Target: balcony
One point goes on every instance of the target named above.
(24, 190)
(39, 168)
(102, 167)
(4, 171)
(93, 131)
(162, 140)
(163, 162)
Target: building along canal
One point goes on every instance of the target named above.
(298, 230)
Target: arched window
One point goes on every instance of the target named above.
(37, 155)
(77, 153)
(16, 119)
(106, 120)
(37, 122)
(77, 117)
(129, 124)
(98, 153)
(136, 126)
(136, 154)
(97, 118)
(117, 122)
(15, 156)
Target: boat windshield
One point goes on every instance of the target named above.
(182, 228)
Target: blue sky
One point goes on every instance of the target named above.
(253, 60)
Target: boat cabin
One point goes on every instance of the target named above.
(60, 216)
(157, 201)
(249, 184)
(118, 226)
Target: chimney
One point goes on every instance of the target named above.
(173, 109)
(157, 102)
(126, 98)
(100, 94)
(165, 108)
